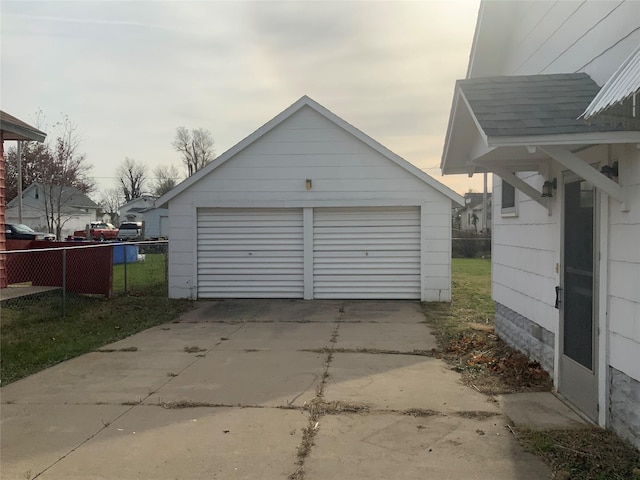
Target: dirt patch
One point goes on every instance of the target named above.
(419, 412)
(318, 407)
(194, 349)
(376, 351)
(591, 454)
(188, 404)
(111, 350)
(477, 414)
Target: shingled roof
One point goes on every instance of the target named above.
(531, 105)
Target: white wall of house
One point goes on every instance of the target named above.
(566, 37)
(624, 269)
(156, 223)
(345, 172)
(561, 37)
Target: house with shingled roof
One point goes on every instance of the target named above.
(550, 107)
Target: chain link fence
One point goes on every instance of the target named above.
(60, 274)
(470, 244)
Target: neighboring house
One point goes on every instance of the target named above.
(14, 129)
(143, 209)
(309, 207)
(156, 223)
(76, 209)
(550, 105)
(133, 210)
(469, 217)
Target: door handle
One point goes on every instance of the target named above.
(558, 297)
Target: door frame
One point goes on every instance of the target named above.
(599, 299)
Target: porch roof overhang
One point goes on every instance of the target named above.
(521, 123)
(13, 128)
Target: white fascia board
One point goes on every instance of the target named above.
(271, 124)
(593, 138)
(381, 149)
(484, 137)
(452, 121)
(277, 120)
(521, 185)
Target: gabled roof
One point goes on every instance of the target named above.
(531, 104)
(15, 129)
(490, 113)
(305, 101)
(72, 198)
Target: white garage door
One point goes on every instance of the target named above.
(367, 253)
(252, 253)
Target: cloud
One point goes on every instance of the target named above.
(128, 73)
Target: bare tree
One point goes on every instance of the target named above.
(196, 147)
(165, 178)
(110, 202)
(132, 176)
(41, 161)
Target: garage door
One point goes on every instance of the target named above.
(256, 253)
(367, 253)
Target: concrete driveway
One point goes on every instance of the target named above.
(253, 389)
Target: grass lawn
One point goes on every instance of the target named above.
(147, 275)
(36, 336)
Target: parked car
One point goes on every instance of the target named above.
(99, 231)
(130, 231)
(19, 231)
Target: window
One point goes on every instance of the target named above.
(508, 203)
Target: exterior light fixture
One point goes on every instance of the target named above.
(610, 170)
(548, 187)
(309, 184)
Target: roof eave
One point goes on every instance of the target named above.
(592, 138)
(281, 117)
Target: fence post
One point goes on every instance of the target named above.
(64, 282)
(124, 250)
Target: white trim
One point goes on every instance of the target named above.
(193, 294)
(592, 138)
(603, 307)
(307, 235)
(521, 185)
(586, 171)
(398, 202)
(305, 101)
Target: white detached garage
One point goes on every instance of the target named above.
(310, 207)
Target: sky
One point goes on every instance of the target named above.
(128, 73)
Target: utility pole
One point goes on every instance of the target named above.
(484, 205)
(19, 152)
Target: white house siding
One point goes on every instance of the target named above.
(37, 220)
(345, 172)
(562, 37)
(566, 37)
(624, 271)
(153, 222)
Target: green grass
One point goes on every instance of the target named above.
(147, 276)
(36, 336)
(470, 298)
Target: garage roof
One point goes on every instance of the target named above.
(305, 101)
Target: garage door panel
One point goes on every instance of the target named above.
(250, 253)
(367, 253)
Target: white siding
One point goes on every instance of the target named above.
(624, 270)
(525, 254)
(564, 37)
(345, 172)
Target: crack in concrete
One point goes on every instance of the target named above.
(374, 351)
(309, 432)
(106, 424)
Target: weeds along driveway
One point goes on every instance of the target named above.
(260, 389)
